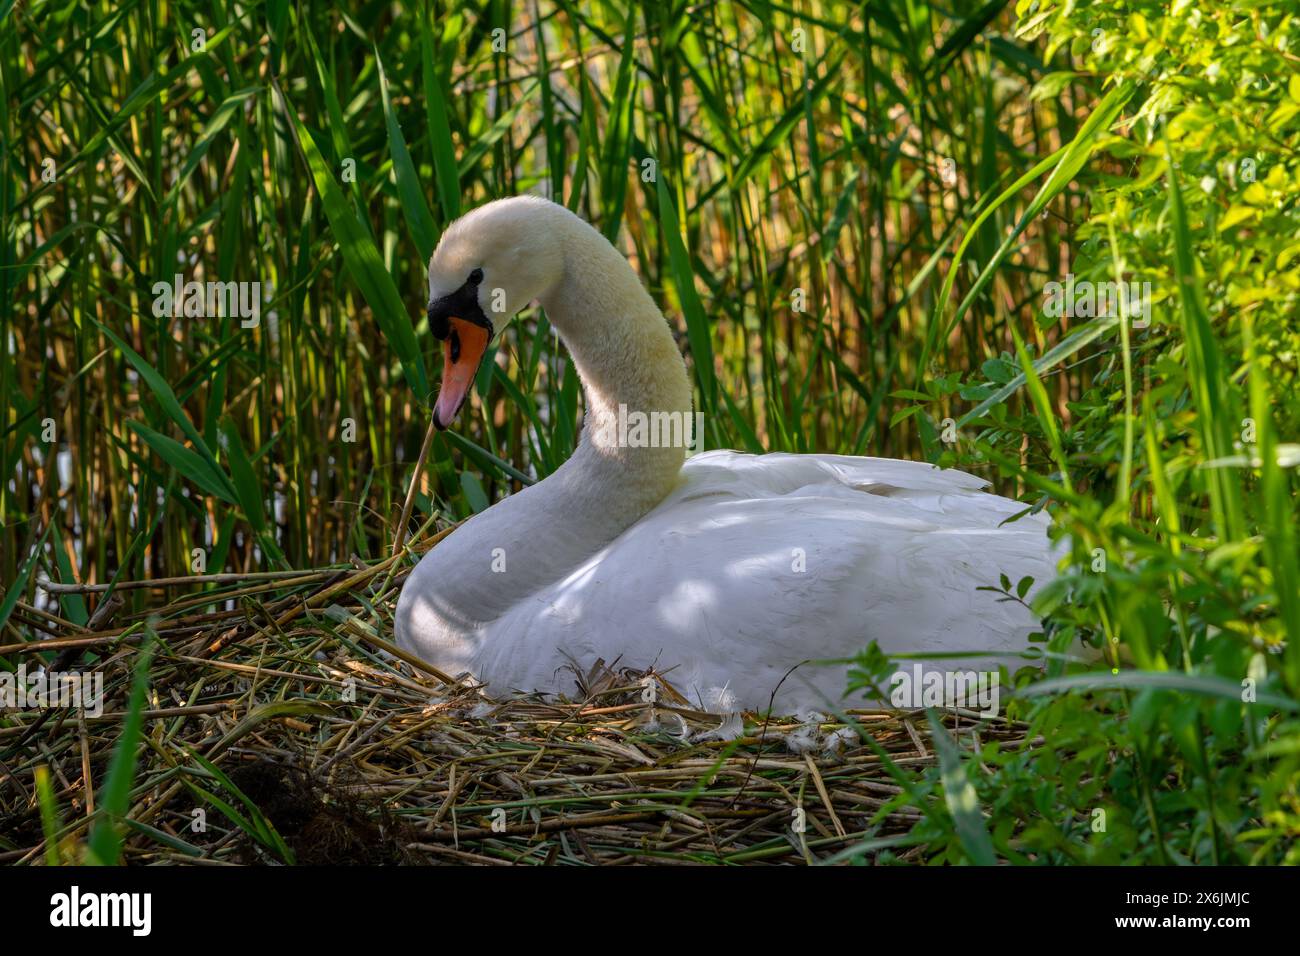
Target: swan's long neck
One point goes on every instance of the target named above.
(628, 364)
(630, 370)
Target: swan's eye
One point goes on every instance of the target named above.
(455, 347)
(476, 277)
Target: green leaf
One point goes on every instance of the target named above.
(445, 170)
(256, 825)
(195, 153)
(189, 464)
(1065, 164)
(697, 324)
(781, 129)
(50, 822)
(74, 605)
(1202, 685)
(163, 837)
(959, 794)
(474, 492)
(364, 263)
(1053, 356)
(414, 208)
(15, 588)
(171, 407)
(619, 133)
(248, 489)
(105, 845)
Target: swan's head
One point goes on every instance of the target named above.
(489, 264)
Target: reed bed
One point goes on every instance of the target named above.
(812, 202)
(278, 714)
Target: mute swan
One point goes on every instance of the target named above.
(723, 570)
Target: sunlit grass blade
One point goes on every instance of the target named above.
(51, 825)
(248, 489)
(364, 264)
(960, 796)
(414, 208)
(1071, 160)
(697, 323)
(190, 464)
(105, 845)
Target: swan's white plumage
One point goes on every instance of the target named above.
(705, 586)
(723, 573)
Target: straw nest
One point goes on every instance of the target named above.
(282, 725)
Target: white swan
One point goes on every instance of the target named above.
(725, 571)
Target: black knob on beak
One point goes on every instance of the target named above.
(461, 304)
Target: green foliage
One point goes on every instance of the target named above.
(325, 163)
(1183, 526)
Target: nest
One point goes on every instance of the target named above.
(282, 725)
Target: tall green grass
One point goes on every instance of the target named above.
(738, 153)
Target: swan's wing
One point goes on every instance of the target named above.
(756, 563)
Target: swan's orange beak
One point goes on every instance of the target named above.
(462, 353)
